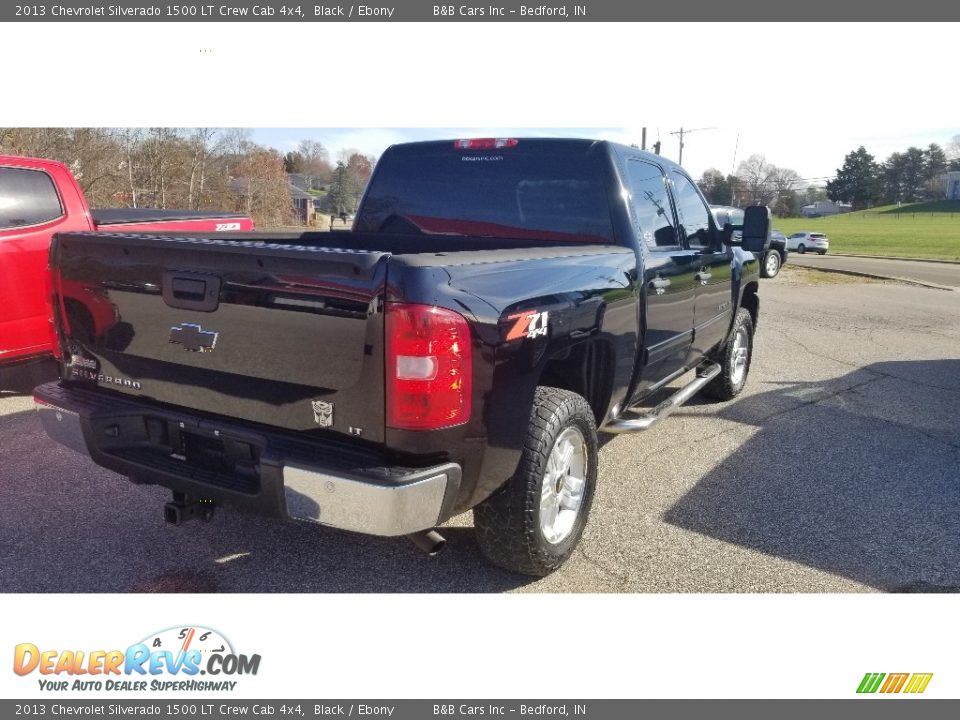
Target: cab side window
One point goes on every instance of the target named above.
(651, 205)
(27, 197)
(692, 213)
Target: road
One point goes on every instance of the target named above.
(835, 471)
(947, 274)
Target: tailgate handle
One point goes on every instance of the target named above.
(191, 291)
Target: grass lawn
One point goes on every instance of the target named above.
(923, 230)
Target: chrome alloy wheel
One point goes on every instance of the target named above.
(773, 263)
(561, 495)
(738, 356)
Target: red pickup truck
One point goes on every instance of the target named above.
(37, 199)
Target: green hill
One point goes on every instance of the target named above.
(920, 230)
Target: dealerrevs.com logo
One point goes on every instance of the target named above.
(173, 660)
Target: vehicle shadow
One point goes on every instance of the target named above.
(22, 379)
(858, 476)
(71, 526)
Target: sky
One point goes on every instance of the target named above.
(815, 156)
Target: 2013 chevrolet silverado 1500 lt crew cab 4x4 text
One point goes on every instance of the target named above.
(37, 199)
(495, 304)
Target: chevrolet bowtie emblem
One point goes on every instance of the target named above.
(193, 337)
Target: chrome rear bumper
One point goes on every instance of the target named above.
(371, 499)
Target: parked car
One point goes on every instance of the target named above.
(773, 258)
(804, 241)
(455, 350)
(37, 199)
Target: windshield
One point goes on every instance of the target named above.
(541, 190)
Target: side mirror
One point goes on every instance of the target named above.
(756, 229)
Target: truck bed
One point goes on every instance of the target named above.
(257, 326)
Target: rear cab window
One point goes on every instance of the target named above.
(552, 191)
(27, 198)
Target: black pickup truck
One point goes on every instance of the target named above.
(497, 302)
(774, 258)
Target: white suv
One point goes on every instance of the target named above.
(803, 241)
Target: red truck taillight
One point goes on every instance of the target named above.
(485, 143)
(428, 367)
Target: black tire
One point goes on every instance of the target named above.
(770, 265)
(508, 523)
(728, 384)
(822, 252)
(801, 248)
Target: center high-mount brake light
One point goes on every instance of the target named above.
(428, 367)
(485, 143)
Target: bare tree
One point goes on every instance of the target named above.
(359, 170)
(953, 153)
(717, 188)
(169, 167)
(314, 161)
(785, 181)
(201, 142)
(756, 181)
(129, 140)
(263, 187)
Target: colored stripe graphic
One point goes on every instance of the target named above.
(918, 683)
(894, 683)
(870, 682)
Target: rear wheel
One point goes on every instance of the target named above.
(771, 264)
(533, 524)
(734, 359)
(822, 252)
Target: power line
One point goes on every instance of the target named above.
(681, 132)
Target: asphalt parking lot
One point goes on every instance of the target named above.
(837, 470)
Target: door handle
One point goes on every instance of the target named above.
(703, 276)
(191, 291)
(660, 283)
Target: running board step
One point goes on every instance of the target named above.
(632, 420)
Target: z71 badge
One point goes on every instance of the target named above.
(527, 324)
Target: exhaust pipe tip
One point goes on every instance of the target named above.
(172, 514)
(182, 509)
(429, 541)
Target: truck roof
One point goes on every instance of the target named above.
(586, 143)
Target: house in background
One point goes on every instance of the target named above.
(951, 185)
(300, 181)
(824, 207)
(303, 205)
(302, 201)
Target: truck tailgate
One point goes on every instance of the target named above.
(285, 335)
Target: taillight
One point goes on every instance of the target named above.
(428, 367)
(485, 143)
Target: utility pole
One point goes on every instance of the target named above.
(681, 132)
